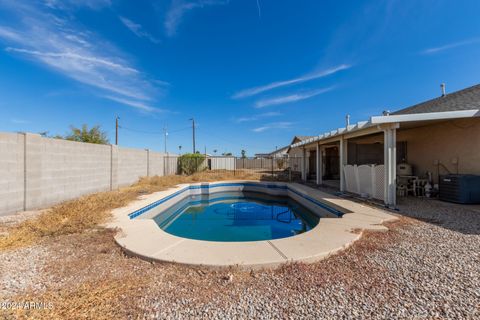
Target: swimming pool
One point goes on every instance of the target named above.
(307, 238)
(236, 216)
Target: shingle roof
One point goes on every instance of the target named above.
(465, 99)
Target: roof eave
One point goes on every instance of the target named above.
(334, 133)
(425, 116)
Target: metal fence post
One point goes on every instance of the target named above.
(272, 167)
(168, 165)
(164, 164)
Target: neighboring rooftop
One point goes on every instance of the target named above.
(301, 138)
(465, 99)
(270, 154)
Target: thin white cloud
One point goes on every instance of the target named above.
(274, 125)
(132, 103)
(65, 4)
(257, 117)
(10, 34)
(311, 76)
(450, 46)
(19, 121)
(138, 30)
(178, 8)
(291, 98)
(68, 48)
(92, 60)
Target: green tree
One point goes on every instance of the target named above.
(227, 154)
(244, 153)
(84, 134)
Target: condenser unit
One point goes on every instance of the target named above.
(460, 188)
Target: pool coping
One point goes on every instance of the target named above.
(141, 236)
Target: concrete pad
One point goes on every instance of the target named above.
(220, 254)
(316, 244)
(145, 240)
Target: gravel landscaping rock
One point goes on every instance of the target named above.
(22, 269)
(426, 267)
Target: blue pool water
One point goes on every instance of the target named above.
(236, 216)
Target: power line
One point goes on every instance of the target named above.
(217, 136)
(152, 132)
(183, 129)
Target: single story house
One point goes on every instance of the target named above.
(295, 154)
(278, 153)
(428, 139)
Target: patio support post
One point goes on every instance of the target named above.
(319, 164)
(343, 161)
(304, 164)
(390, 164)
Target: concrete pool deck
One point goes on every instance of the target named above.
(141, 236)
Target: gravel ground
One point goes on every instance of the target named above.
(426, 267)
(22, 270)
(14, 219)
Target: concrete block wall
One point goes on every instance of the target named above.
(37, 172)
(132, 164)
(12, 173)
(156, 164)
(65, 169)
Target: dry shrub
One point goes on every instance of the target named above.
(91, 300)
(88, 211)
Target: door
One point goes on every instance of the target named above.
(332, 164)
(312, 164)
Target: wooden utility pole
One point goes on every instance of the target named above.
(193, 134)
(116, 130)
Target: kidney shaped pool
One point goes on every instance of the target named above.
(236, 216)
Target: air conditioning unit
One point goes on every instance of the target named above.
(460, 188)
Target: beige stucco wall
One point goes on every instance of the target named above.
(446, 142)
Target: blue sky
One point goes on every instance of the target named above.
(252, 73)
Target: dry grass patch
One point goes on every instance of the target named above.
(91, 300)
(78, 215)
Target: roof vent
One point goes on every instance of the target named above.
(386, 112)
(443, 89)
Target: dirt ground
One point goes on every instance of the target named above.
(424, 267)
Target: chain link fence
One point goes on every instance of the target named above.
(267, 168)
